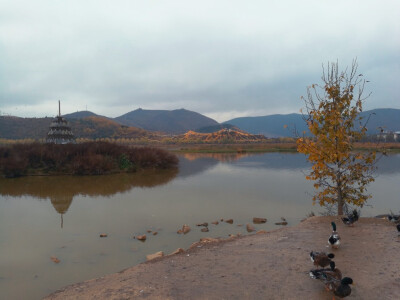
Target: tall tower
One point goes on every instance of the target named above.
(59, 131)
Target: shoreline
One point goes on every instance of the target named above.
(270, 265)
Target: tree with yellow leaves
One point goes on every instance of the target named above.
(341, 173)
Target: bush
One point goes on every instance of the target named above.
(81, 159)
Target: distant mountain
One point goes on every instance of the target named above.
(81, 114)
(169, 121)
(274, 125)
(139, 123)
(386, 118)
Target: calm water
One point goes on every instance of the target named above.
(42, 217)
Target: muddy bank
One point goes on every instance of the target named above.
(273, 265)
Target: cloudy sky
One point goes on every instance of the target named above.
(223, 59)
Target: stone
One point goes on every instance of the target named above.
(205, 229)
(208, 240)
(250, 228)
(155, 233)
(261, 232)
(154, 255)
(215, 222)
(195, 245)
(141, 237)
(281, 223)
(103, 235)
(185, 229)
(54, 259)
(177, 251)
(230, 221)
(259, 220)
(205, 224)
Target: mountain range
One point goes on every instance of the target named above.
(387, 119)
(142, 123)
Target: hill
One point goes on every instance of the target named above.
(386, 118)
(100, 127)
(273, 125)
(169, 121)
(220, 137)
(91, 127)
(24, 128)
(81, 114)
(215, 128)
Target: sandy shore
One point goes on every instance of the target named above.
(273, 265)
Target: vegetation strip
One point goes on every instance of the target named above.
(91, 158)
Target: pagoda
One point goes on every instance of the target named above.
(59, 131)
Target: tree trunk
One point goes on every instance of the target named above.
(340, 206)
(340, 202)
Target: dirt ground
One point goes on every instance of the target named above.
(272, 265)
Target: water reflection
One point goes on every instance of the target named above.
(61, 190)
(197, 163)
(207, 188)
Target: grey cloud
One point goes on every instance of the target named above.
(223, 57)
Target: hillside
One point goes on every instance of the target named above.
(169, 121)
(81, 114)
(220, 137)
(23, 128)
(215, 128)
(101, 127)
(89, 127)
(273, 125)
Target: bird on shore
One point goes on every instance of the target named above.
(328, 274)
(394, 218)
(334, 238)
(321, 259)
(398, 228)
(351, 218)
(333, 281)
(342, 288)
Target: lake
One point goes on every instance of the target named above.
(63, 216)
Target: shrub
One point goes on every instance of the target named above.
(81, 159)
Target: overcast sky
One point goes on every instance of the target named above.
(223, 59)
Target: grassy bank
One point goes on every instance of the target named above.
(92, 158)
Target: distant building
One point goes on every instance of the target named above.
(59, 131)
(396, 135)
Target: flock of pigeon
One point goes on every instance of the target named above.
(332, 276)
